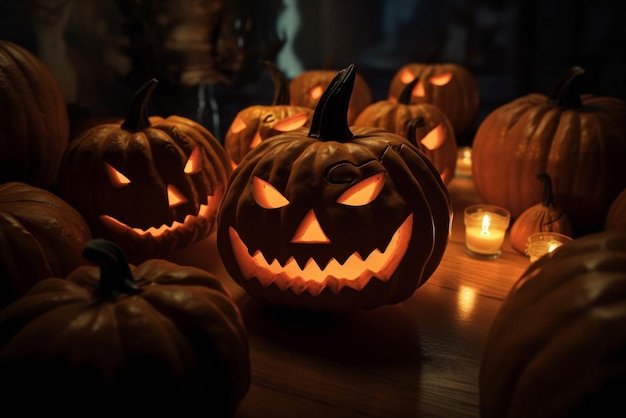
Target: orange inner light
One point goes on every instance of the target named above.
(174, 196)
(316, 92)
(310, 231)
(117, 179)
(433, 139)
(441, 79)
(291, 123)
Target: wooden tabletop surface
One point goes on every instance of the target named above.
(418, 358)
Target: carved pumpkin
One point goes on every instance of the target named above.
(579, 140)
(41, 236)
(616, 215)
(146, 339)
(541, 217)
(34, 130)
(307, 88)
(257, 123)
(149, 184)
(450, 87)
(557, 346)
(434, 134)
(331, 219)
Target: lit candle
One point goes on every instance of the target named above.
(485, 228)
(464, 162)
(542, 243)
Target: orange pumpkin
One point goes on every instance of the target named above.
(450, 87)
(579, 140)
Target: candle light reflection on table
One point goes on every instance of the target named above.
(485, 228)
(464, 162)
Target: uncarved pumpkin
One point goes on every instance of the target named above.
(152, 339)
(333, 219)
(579, 140)
(557, 345)
(34, 123)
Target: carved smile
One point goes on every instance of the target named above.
(356, 272)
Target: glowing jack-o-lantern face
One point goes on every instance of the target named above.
(451, 87)
(149, 189)
(315, 220)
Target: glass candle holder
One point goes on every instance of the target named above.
(464, 162)
(542, 243)
(485, 228)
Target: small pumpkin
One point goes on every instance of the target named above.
(579, 139)
(258, 122)
(333, 219)
(307, 88)
(149, 339)
(616, 215)
(433, 134)
(557, 345)
(150, 184)
(41, 236)
(541, 217)
(449, 86)
(34, 124)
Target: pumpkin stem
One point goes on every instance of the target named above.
(115, 275)
(330, 119)
(407, 91)
(548, 196)
(281, 87)
(412, 127)
(566, 91)
(137, 117)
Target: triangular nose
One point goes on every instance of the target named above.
(174, 196)
(310, 231)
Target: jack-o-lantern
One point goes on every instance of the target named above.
(434, 134)
(150, 184)
(257, 123)
(307, 88)
(450, 87)
(331, 219)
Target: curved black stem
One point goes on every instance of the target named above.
(407, 91)
(115, 275)
(566, 91)
(137, 117)
(281, 85)
(548, 196)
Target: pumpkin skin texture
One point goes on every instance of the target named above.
(542, 217)
(616, 216)
(151, 184)
(450, 87)
(579, 140)
(41, 236)
(257, 123)
(34, 124)
(305, 202)
(152, 338)
(557, 346)
(434, 134)
(307, 87)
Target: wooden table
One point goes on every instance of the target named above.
(419, 358)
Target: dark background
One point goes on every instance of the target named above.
(102, 50)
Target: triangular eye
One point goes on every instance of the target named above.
(406, 76)
(117, 179)
(194, 163)
(441, 79)
(256, 140)
(266, 195)
(363, 192)
(291, 123)
(238, 125)
(316, 92)
(433, 139)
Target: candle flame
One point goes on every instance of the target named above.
(553, 245)
(485, 225)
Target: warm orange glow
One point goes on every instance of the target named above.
(363, 192)
(406, 76)
(418, 90)
(310, 231)
(291, 123)
(466, 301)
(256, 140)
(316, 92)
(194, 163)
(117, 179)
(174, 196)
(434, 139)
(266, 195)
(441, 79)
(485, 225)
(355, 273)
(238, 125)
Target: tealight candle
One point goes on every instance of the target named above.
(485, 228)
(464, 162)
(542, 243)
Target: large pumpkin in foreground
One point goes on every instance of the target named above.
(557, 346)
(331, 219)
(580, 141)
(149, 184)
(34, 124)
(149, 340)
